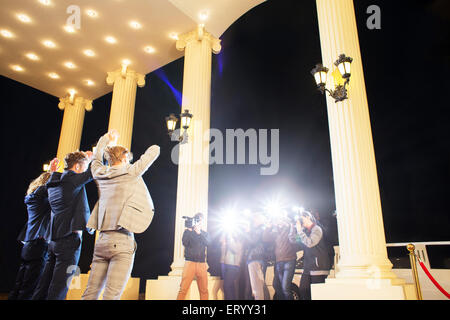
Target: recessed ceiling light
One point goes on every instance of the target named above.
(6, 33)
(49, 43)
(53, 75)
(89, 53)
(69, 29)
(173, 35)
(17, 68)
(149, 49)
(23, 17)
(89, 82)
(110, 39)
(203, 15)
(135, 25)
(92, 13)
(32, 56)
(70, 65)
(45, 2)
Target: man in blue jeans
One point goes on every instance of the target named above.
(285, 254)
(70, 212)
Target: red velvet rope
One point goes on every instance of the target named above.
(433, 280)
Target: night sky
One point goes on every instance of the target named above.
(261, 79)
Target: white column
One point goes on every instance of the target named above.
(363, 255)
(193, 170)
(123, 102)
(72, 125)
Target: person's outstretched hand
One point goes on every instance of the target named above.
(54, 165)
(113, 135)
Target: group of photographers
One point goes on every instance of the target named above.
(247, 251)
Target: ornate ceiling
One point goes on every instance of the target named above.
(59, 45)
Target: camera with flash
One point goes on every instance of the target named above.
(191, 222)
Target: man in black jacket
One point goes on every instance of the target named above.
(195, 241)
(70, 212)
(34, 250)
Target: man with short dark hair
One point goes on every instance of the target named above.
(70, 212)
(195, 241)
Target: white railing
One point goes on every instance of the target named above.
(429, 291)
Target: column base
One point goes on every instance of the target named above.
(177, 268)
(167, 287)
(363, 289)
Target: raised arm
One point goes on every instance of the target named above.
(139, 167)
(81, 179)
(313, 239)
(97, 166)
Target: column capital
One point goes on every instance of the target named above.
(199, 34)
(114, 75)
(64, 102)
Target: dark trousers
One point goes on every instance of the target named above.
(245, 287)
(33, 257)
(62, 262)
(285, 272)
(231, 275)
(305, 284)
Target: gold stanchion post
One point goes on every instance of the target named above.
(412, 258)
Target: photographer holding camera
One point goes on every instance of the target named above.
(277, 232)
(195, 241)
(317, 264)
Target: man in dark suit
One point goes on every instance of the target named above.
(70, 212)
(34, 250)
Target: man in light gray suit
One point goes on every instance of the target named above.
(124, 208)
